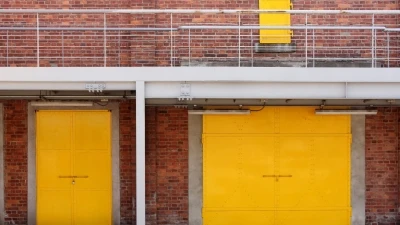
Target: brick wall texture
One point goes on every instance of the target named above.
(160, 48)
(382, 167)
(166, 127)
(15, 162)
(167, 164)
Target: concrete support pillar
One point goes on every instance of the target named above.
(195, 170)
(140, 154)
(358, 170)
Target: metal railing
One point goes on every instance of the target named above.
(115, 38)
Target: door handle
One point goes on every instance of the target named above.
(73, 176)
(277, 176)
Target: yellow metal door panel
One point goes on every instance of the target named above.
(246, 160)
(50, 166)
(255, 123)
(90, 175)
(333, 170)
(53, 130)
(257, 163)
(296, 169)
(89, 210)
(277, 120)
(53, 157)
(319, 173)
(318, 217)
(218, 176)
(92, 196)
(275, 36)
(74, 157)
(302, 120)
(92, 130)
(238, 218)
(54, 206)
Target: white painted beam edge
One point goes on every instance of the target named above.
(215, 74)
(276, 90)
(65, 86)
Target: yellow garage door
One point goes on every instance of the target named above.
(73, 160)
(278, 166)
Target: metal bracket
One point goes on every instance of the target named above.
(95, 87)
(185, 92)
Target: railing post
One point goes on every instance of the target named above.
(388, 48)
(119, 48)
(373, 42)
(306, 43)
(37, 41)
(7, 48)
(171, 42)
(190, 47)
(62, 48)
(251, 48)
(240, 40)
(313, 47)
(105, 40)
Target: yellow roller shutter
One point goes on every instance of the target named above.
(275, 36)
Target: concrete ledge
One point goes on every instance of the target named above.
(275, 48)
(277, 62)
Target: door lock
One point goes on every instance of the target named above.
(73, 178)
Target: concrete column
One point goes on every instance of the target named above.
(140, 154)
(358, 170)
(195, 170)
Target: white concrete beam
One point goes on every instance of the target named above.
(247, 90)
(61, 86)
(275, 90)
(217, 82)
(214, 74)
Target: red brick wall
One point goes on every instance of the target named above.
(172, 166)
(382, 167)
(166, 163)
(127, 143)
(151, 165)
(15, 161)
(130, 48)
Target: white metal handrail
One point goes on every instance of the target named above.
(90, 28)
(202, 27)
(285, 27)
(171, 41)
(194, 11)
